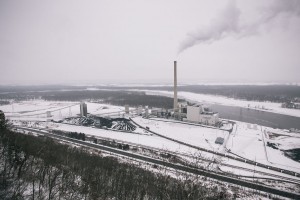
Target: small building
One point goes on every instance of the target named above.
(293, 105)
(182, 107)
(48, 114)
(219, 140)
(139, 110)
(146, 112)
(127, 109)
(209, 118)
(255, 126)
(156, 112)
(83, 109)
(159, 112)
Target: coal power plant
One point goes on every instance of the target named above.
(195, 113)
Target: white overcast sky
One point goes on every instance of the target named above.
(136, 41)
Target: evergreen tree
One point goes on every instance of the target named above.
(2, 120)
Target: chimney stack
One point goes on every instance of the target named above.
(175, 87)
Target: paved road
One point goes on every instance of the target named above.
(196, 171)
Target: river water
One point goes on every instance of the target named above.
(263, 118)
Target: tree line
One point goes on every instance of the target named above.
(274, 93)
(102, 96)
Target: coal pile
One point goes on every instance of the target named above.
(121, 124)
(124, 125)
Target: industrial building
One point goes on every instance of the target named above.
(139, 110)
(83, 109)
(192, 113)
(195, 113)
(201, 114)
(159, 112)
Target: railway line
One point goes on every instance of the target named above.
(158, 150)
(193, 170)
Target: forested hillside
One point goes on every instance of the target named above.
(40, 168)
(101, 96)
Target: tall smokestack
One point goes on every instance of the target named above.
(175, 87)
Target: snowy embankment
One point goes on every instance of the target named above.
(251, 142)
(142, 139)
(222, 100)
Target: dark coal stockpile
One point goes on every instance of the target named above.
(121, 124)
(293, 154)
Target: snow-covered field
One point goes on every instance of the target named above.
(195, 135)
(222, 100)
(249, 141)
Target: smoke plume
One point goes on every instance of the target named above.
(228, 23)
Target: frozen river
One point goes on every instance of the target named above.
(263, 118)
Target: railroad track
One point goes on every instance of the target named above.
(279, 178)
(196, 171)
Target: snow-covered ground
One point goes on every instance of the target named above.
(222, 100)
(37, 109)
(147, 140)
(195, 135)
(246, 140)
(249, 141)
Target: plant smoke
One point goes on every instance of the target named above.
(228, 23)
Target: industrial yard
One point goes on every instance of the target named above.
(184, 139)
(240, 138)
